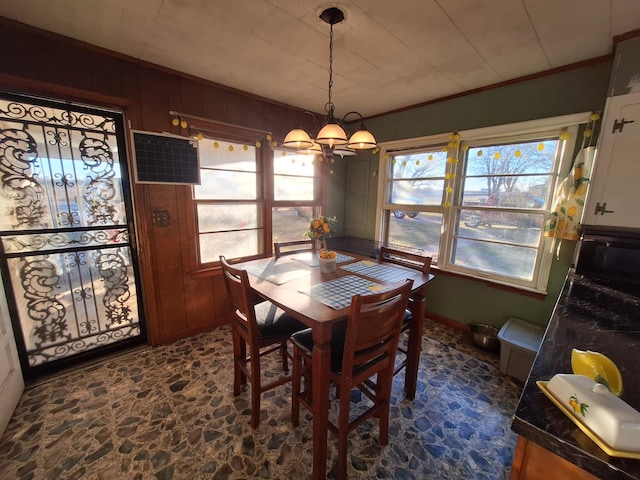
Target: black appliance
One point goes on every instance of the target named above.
(610, 255)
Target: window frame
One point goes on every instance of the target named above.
(265, 154)
(489, 135)
(237, 137)
(397, 148)
(316, 204)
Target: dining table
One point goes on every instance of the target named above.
(321, 301)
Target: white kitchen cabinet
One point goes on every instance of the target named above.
(614, 193)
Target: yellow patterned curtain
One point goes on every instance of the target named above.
(570, 195)
(569, 199)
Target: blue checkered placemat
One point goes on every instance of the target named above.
(276, 273)
(378, 271)
(311, 259)
(337, 293)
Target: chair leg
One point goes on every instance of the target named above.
(296, 379)
(256, 390)
(343, 433)
(383, 394)
(384, 425)
(283, 354)
(239, 358)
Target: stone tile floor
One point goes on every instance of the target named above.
(169, 413)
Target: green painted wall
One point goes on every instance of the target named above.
(336, 195)
(467, 301)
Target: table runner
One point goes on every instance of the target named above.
(337, 293)
(276, 273)
(372, 269)
(311, 259)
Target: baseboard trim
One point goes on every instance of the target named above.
(463, 327)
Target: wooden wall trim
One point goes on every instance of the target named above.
(552, 71)
(434, 317)
(177, 302)
(27, 86)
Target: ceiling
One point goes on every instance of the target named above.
(387, 54)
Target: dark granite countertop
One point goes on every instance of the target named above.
(589, 315)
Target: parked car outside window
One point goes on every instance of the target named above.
(515, 200)
(402, 214)
(405, 213)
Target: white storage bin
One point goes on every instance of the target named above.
(519, 343)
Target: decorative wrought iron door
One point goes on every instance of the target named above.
(67, 250)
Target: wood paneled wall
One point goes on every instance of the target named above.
(178, 301)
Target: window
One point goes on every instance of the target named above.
(228, 201)
(477, 201)
(506, 189)
(295, 194)
(250, 196)
(413, 211)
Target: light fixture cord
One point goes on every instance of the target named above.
(329, 106)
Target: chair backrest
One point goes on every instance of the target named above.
(295, 246)
(239, 291)
(411, 260)
(373, 329)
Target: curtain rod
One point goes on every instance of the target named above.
(223, 124)
(211, 134)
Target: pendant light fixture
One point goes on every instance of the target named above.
(331, 139)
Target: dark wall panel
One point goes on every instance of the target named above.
(179, 301)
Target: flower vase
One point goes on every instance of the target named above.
(327, 265)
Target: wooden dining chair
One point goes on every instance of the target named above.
(362, 356)
(421, 263)
(258, 329)
(295, 246)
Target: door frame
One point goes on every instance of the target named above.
(122, 136)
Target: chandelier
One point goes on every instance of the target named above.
(331, 139)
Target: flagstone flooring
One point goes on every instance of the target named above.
(169, 413)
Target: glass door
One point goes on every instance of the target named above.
(66, 233)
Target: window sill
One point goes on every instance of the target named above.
(212, 269)
(205, 272)
(491, 284)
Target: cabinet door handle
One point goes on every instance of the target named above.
(602, 209)
(619, 125)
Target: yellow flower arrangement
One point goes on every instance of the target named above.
(320, 228)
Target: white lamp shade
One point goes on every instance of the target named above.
(315, 149)
(297, 138)
(332, 134)
(344, 151)
(362, 140)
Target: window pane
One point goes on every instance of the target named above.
(290, 223)
(418, 178)
(516, 228)
(227, 156)
(217, 217)
(516, 158)
(509, 260)
(420, 230)
(485, 219)
(301, 165)
(293, 176)
(524, 191)
(226, 185)
(424, 192)
(293, 188)
(420, 165)
(229, 244)
(517, 167)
